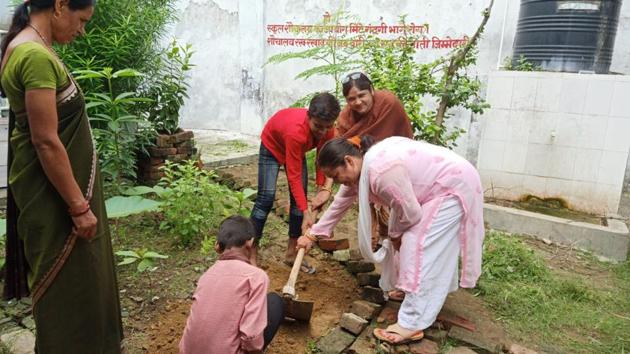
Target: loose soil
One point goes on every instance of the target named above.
(156, 326)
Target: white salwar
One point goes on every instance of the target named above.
(439, 271)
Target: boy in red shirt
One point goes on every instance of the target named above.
(285, 139)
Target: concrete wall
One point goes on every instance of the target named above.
(557, 135)
(229, 39)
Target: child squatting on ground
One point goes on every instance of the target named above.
(231, 310)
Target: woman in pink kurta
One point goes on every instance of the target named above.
(436, 204)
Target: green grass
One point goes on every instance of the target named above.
(559, 311)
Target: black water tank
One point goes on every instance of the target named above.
(567, 35)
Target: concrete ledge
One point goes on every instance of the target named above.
(608, 242)
(239, 160)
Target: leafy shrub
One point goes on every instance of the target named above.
(121, 34)
(520, 64)
(120, 131)
(194, 204)
(168, 88)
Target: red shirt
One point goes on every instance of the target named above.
(288, 137)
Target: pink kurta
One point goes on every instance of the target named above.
(229, 309)
(413, 178)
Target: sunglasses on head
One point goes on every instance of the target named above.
(353, 76)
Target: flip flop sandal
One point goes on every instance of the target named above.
(305, 267)
(396, 295)
(381, 334)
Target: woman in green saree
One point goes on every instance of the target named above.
(58, 244)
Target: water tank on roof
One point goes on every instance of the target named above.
(567, 35)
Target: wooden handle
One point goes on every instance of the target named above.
(289, 289)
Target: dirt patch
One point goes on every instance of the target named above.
(551, 207)
(156, 326)
(332, 289)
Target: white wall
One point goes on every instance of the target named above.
(231, 90)
(557, 135)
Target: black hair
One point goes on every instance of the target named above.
(234, 232)
(21, 16)
(324, 106)
(333, 152)
(358, 80)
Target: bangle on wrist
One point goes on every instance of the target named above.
(329, 190)
(310, 237)
(74, 212)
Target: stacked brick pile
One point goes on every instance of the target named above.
(176, 147)
(353, 335)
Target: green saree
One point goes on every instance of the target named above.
(72, 281)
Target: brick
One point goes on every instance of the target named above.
(389, 314)
(461, 350)
(449, 319)
(151, 168)
(152, 175)
(334, 342)
(364, 344)
(400, 349)
(332, 245)
(355, 267)
(182, 136)
(365, 309)
(151, 161)
(437, 335)
(425, 346)
(476, 339)
(164, 140)
(161, 152)
(341, 256)
(185, 150)
(187, 143)
(353, 323)
(393, 304)
(373, 294)
(176, 157)
(518, 349)
(355, 255)
(370, 279)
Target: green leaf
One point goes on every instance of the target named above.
(127, 254)
(3, 227)
(249, 193)
(126, 73)
(144, 265)
(151, 254)
(119, 206)
(127, 261)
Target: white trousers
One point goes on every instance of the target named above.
(439, 268)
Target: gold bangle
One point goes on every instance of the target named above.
(310, 237)
(329, 190)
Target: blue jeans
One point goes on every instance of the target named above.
(268, 168)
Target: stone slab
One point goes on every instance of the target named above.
(372, 294)
(368, 279)
(609, 242)
(352, 323)
(335, 341)
(425, 346)
(356, 267)
(365, 309)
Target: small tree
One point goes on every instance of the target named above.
(332, 58)
(445, 80)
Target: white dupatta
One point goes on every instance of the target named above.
(386, 254)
